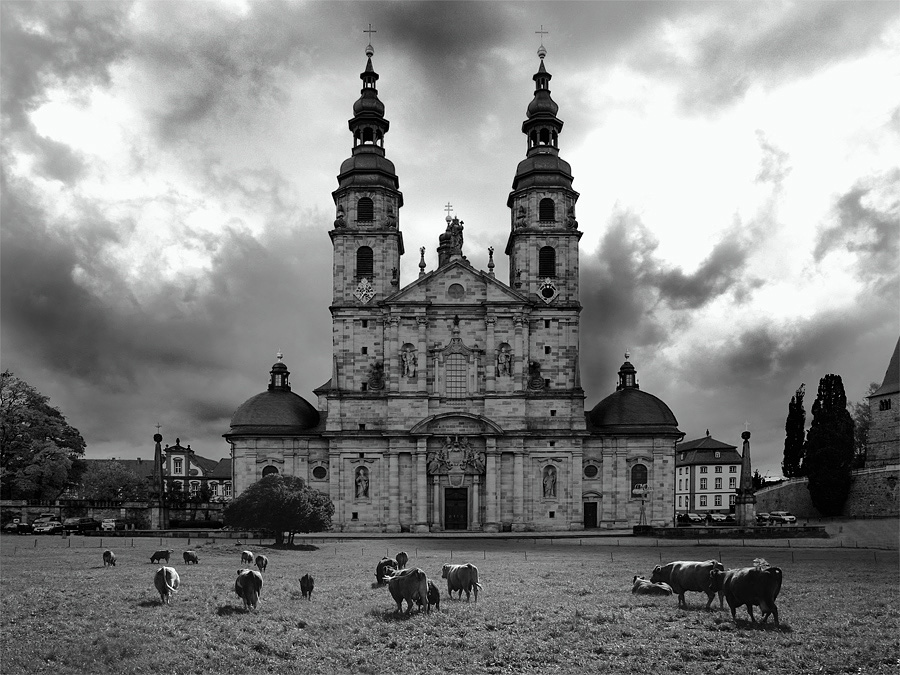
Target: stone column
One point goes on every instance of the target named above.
(519, 355)
(745, 502)
(421, 510)
(422, 354)
(394, 378)
(476, 511)
(393, 524)
(576, 521)
(492, 491)
(518, 524)
(490, 366)
(436, 504)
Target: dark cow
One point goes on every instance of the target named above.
(411, 585)
(247, 557)
(461, 578)
(109, 558)
(166, 581)
(248, 587)
(749, 586)
(385, 568)
(688, 575)
(262, 562)
(306, 586)
(191, 557)
(641, 586)
(434, 597)
(161, 555)
(401, 559)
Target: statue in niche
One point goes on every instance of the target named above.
(535, 381)
(549, 482)
(339, 221)
(376, 376)
(571, 223)
(362, 483)
(520, 218)
(504, 360)
(409, 362)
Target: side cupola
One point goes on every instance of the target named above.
(366, 235)
(544, 235)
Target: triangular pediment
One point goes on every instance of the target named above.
(457, 282)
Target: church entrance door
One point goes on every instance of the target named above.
(590, 515)
(456, 508)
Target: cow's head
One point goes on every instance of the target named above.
(716, 580)
(444, 571)
(656, 576)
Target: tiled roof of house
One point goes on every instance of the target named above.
(703, 451)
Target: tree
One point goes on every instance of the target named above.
(828, 454)
(111, 480)
(282, 504)
(794, 431)
(862, 420)
(37, 445)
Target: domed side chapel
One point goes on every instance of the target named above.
(454, 401)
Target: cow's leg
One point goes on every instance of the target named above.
(750, 612)
(681, 601)
(710, 597)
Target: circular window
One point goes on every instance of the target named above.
(548, 292)
(319, 472)
(456, 291)
(590, 471)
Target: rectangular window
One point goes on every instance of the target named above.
(732, 483)
(365, 386)
(365, 323)
(552, 413)
(227, 489)
(362, 427)
(546, 323)
(703, 469)
(679, 502)
(718, 500)
(702, 500)
(553, 514)
(546, 349)
(679, 483)
(365, 350)
(177, 465)
(546, 381)
(718, 483)
(354, 515)
(456, 373)
(702, 483)
(731, 499)
(732, 469)
(718, 469)
(884, 405)
(552, 444)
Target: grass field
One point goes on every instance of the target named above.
(545, 608)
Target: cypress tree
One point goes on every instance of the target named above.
(794, 431)
(829, 450)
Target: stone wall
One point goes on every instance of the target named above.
(873, 493)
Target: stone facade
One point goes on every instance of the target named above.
(454, 401)
(883, 443)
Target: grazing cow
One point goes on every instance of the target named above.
(411, 585)
(161, 555)
(461, 578)
(401, 559)
(434, 597)
(109, 558)
(641, 586)
(306, 586)
(247, 557)
(688, 575)
(385, 568)
(191, 557)
(262, 562)
(166, 582)
(749, 586)
(248, 587)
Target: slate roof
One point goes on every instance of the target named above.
(703, 451)
(891, 383)
(274, 413)
(631, 410)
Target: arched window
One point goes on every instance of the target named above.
(269, 471)
(545, 136)
(365, 209)
(368, 135)
(365, 262)
(547, 209)
(547, 262)
(638, 475)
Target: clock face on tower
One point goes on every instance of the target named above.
(548, 291)
(364, 291)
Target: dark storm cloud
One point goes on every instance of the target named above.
(865, 224)
(751, 43)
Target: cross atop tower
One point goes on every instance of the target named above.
(370, 30)
(542, 33)
(448, 208)
(157, 427)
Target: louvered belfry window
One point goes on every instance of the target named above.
(547, 209)
(365, 262)
(365, 210)
(547, 262)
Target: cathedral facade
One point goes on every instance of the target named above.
(455, 401)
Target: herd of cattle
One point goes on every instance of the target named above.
(749, 586)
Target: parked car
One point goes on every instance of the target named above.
(73, 525)
(49, 527)
(782, 518)
(716, 518)
(729, 519)
(762, 518)
(689, 519)
(12, 527)
(108, 525)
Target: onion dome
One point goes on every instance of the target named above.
(630, 410)
(368, 166)
(275, 412)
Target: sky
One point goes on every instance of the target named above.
(167, 170)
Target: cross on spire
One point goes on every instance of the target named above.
(448, 209)
(370, 31)
(542, 33)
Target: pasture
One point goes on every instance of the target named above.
(555, 607)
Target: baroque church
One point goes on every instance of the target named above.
(455, 401)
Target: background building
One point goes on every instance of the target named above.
(708, 472)
(884, 431)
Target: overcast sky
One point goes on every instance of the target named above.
(167, 173)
